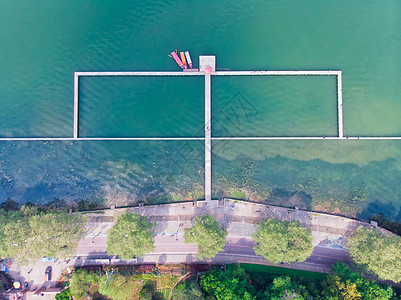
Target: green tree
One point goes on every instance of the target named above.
(283, 241)
(13, 236)
(188, 290)
(28, 234)
(343, 284)
(55, 234)
(378, 252)
(118, 287)
(284, 288)
(232, 284)
(371, 290)
(209, 236)
(131, 236)
(81, 281)
(148, 291)
(336, 288)
(64, 295)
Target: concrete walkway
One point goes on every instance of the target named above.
(240, 218)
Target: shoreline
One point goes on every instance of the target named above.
(240, 218)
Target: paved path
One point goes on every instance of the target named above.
(240, 218)
(172, 249)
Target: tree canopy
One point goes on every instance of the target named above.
(118, 287)
(284, 288)
(209, 236)
(131, 235)
(120, 283)
(29, 234)
(283, 241)
(232, 284)
(187, 290)
(64, 295)
(81, 280)
(342, 283)
(378, 252)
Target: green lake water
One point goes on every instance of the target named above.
(43, 43)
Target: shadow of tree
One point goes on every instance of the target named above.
(388, 210)
(163, 258)
(189, 258)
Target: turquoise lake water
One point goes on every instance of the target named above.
(44, 42)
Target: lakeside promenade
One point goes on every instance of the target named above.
(240, 218)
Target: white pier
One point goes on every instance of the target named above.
(207, 65)
(207, 61)
(138, 74)
(208, 141)
(340, 104)
(207, 68)
(231, 138)
(76, 106)
(276, 73)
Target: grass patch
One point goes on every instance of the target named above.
(283, 271)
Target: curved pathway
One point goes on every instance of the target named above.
(239, 217)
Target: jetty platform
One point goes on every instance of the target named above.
(207, 68)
